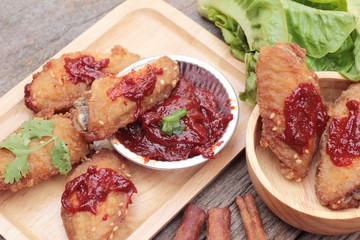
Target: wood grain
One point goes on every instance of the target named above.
(33, 31)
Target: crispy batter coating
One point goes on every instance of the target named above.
(86, 225)
(52, 89)
(41, 167)
(280, 70)
(337, 187)
(105, 116)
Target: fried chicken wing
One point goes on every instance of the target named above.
(40, 165)
(115, 102)
(292, 111)
(96, 198)
(65, 79)
(337, 181)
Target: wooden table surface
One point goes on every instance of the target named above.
(32, 31)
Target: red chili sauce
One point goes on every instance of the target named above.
(90, 189)
(305, 115)
(204, 125)
(85, 68)
(344, 136)
(136, 87)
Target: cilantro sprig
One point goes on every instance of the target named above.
(170, 124)
(17, 144)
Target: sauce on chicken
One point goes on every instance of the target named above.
(305, 115)
(136, 87)
(87, 191)
(85, 68)
(344, 138)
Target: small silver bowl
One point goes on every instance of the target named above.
(214, 81)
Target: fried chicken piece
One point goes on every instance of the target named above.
(65, 79)
(292, 111)
(100, 210)
(115, 102)
(41, 167)
(337, 181)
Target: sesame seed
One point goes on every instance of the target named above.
(101, 122)
(111, 224)
(126, 212)
(165, 68)
(274, 128)
(52, 74)
(295, 156)
(115, 228)
(121, 204)
(41, 142)
(289, 175)
(111, 236)
(127, 175)
(306, 151)
(264, 144)
(119, 213)
(93, 229)
(123, 166)
(298, 161)
(272, 115)
(278, 123)
(162, 82)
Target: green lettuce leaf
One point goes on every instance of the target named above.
(354, 9)
(250, 94)
(354, 72)
(336, 5)
(319, 32)
(341, 60)
(232, 32)
(262, 21)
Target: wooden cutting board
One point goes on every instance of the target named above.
(147, 28)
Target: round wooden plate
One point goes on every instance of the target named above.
(296, 203)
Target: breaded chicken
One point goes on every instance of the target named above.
(115, 102)
(41, 167)
(337, 181)
(291, 108)
(65, 79)
(83, 214)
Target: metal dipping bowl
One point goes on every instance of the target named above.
(211, 79)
